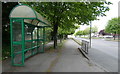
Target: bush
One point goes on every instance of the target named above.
(5, 51)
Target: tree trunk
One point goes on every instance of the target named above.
(60, 38)
(65, 36)
(55, 35)
(114, 37)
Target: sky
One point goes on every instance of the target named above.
(112, 13)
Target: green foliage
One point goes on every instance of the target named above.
(93, 30)
(48, 34)
(77, 26)
(5, 51)
(67, 30)
(113, 26)
(67, 13)
(62, 14)
(6, 8)
(87, 31)
(79, 33)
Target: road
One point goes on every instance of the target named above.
(105, 53)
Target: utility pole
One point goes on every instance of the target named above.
(90, 33)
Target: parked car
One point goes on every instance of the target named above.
(107, 36)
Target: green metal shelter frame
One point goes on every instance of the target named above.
(27, 33)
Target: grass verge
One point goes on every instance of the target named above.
(116, 40)
(80, 43)
(51, 47)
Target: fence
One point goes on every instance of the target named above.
(85, 46)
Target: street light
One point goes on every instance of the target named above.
(90, 33)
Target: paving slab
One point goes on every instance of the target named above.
(71, 60)
(66, 59)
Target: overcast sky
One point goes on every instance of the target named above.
(113, 12)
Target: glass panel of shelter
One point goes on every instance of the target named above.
(17, 41)
(40, 35)
(34, 41)
(27, 34)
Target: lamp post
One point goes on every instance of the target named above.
(90, 33)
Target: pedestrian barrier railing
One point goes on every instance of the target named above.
(85, 46)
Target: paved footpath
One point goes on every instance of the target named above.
(104, 53)
(67, 59)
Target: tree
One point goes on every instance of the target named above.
(87, 31)
(94, 29)
(113, 26)
(67, 30)
(65, 14)
(6, 8)
(78, 33)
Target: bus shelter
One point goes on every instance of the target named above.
(27, 33)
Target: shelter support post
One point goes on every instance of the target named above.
(23, 41)
(12, 51)
(37, 39)
(43, 43)
(32, 43)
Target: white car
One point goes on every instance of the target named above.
(107, 36)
